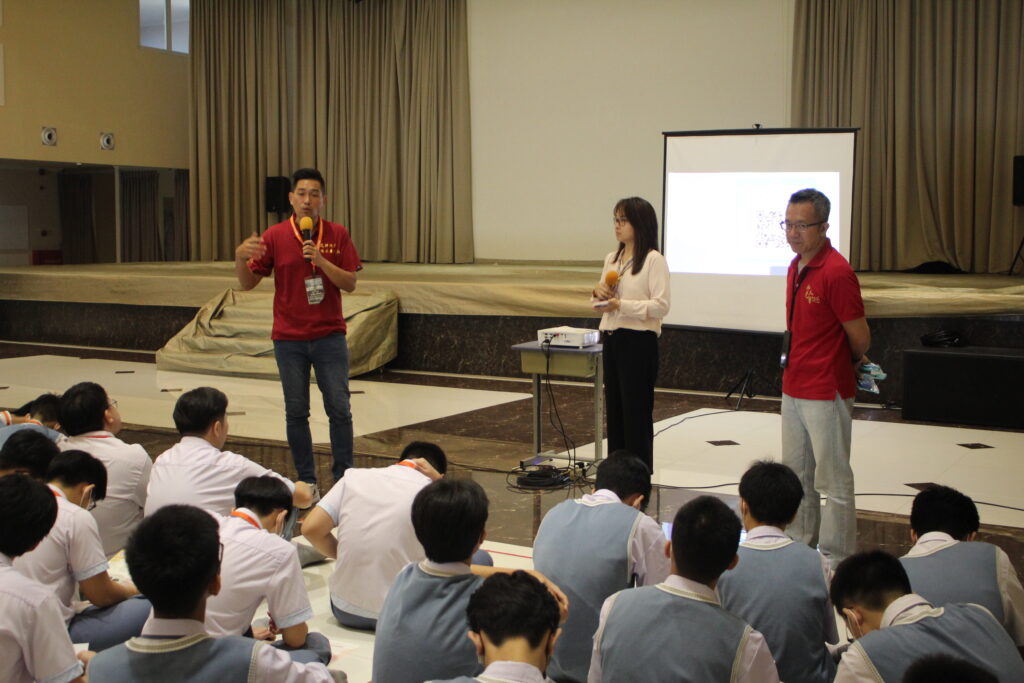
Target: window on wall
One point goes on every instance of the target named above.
(163, 24)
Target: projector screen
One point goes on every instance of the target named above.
(725, 194)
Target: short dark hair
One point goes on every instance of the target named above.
(641, 215)
(309, 174)
(822, 205)
(705, 536)
(28, 509)
(28, 450)
(172, 556)
(871, 579)
(624, 474)
(943, 668)
(430, 452)
(82, 407)
(72, 468)
(772, 491)
(449, 516)
(514, 605)
(196, 410)
(263, 495)
(46, 407)
(942, 508)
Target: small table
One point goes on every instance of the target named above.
(565, 361)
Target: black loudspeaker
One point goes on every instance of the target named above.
(1018, 181)
(276, 189)
(975, 385)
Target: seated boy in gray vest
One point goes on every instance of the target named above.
(174, 557)
(895, 627)
(946, 669)
(513, 623)
(27, 452)
(596, 546)
(677, 630)
(946, 564)
(780, 587)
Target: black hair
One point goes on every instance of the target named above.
(644, 220)
(72, 468)
(449, 516)
(943, 668)
(172, 556)
(514, 605)
(29, 451)
(263, 495)
(45, 407)
(822, 205)
(870, 579)
(624, 474)
(430, 452)
(309, 174)
(28, 509)
(772, 491)
(82, 407)
(705, 536)
(941, 508)
(196, 410)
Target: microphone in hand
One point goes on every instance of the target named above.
(306, 227)
(611, 278)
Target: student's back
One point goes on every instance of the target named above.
(957, 572)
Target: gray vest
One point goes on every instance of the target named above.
(421, 631)
(962, 572)
(584, 550)
(781, 592)
(963, 631)
(657, 629)
(196, 659)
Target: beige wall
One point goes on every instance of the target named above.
(77, 65)
(570, 97)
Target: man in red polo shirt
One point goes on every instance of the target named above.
(309, 328)
(827, 338)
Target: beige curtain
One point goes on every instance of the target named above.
(141, 217)
(374, 94)
(177, 241)
(937, 89)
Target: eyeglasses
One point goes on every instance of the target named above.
(620, 220)
(799, 227)
(91, 506)
(111, 403)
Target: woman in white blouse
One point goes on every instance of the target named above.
(634, 300)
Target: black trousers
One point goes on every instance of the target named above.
(630, 369)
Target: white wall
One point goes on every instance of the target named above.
(570, 97)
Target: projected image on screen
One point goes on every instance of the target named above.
(728, 222)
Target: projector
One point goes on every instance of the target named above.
(576, 337)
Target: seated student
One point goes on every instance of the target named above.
(195, 471)
(91, 421)
(28, 453)
(70, 559)
(677, 628)
(174, 557)
(946, 564)
(259, 565)
(34, 643)
(895, 627)
(946, 669)
(596, 546)
(513, 622)
(39, 415)
(780, 587)
(370, 507)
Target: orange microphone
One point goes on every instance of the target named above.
(611, 278)
(306, 226)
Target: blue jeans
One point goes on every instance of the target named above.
(328, 356)
(103, 627)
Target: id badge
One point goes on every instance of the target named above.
(314, 289)
(787, 338)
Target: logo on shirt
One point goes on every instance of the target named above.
(811, 297)
(330, 249)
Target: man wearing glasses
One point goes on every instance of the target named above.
(826, 338)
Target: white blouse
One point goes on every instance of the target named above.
(644, 298)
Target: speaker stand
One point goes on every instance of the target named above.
(745, 388)
(1013, 263)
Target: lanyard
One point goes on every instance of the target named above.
(796, 288)
(242, 515)
(406, 463)
(298, 235)
(623, 267)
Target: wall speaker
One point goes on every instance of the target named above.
(107, 141)
(275, 190)
(49, 136)
(1018, 181)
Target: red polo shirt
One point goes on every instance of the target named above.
(294, 317)
(820, 361)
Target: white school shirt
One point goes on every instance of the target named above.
(70, 553)
(270, 664)
(372, 510)
(647, 548)
(1010, 590)
(195, 472)
(257, 565)
(34, 641)
(128, 467)
(756, 664)
(644, 298)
